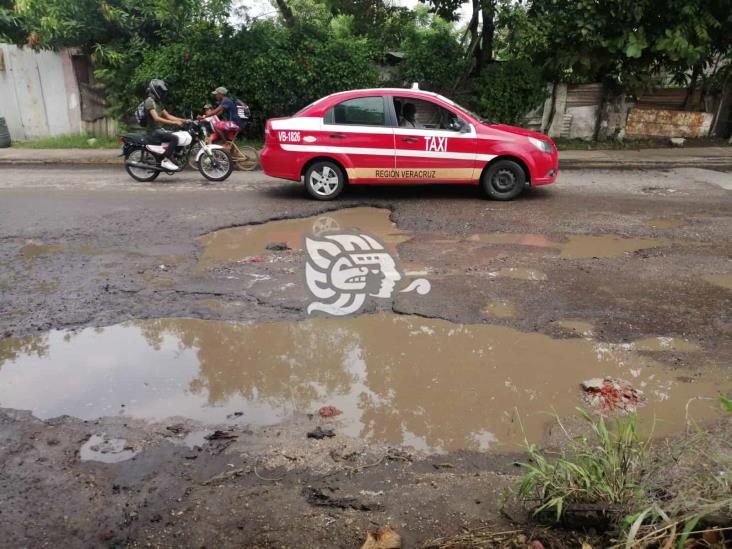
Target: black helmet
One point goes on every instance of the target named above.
(159, 89)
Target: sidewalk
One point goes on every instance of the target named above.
(692, 157)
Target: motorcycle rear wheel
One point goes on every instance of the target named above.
(139, 174)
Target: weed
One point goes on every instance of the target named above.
(660, 496)
(604, 468)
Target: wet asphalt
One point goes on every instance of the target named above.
(89, 247)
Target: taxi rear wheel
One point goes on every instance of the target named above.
(324, 180)
(504, 180)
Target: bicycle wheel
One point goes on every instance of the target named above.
(245, 158)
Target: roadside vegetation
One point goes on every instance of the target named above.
(70, 141)
(613, 487)
(674, 494)
(499, 63)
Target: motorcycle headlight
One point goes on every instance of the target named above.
(543, 146)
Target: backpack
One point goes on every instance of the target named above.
(242, 109)
(141, 114)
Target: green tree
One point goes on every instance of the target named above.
(505, 92)
(621, 41)
(11, 23)
(433, 54)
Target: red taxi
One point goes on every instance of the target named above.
(388, 135)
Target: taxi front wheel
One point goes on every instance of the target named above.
(504, 180)
(324, 180)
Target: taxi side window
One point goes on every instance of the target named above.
(418, 113)
(362, 111)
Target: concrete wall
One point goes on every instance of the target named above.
(39, 95)
(644, 123)
(573, 111)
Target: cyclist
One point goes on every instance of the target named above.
(231, 125)
(157, 116)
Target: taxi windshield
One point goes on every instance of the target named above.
(468, 111)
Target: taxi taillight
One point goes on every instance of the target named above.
(268, 134)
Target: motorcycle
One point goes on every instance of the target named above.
(143, 155)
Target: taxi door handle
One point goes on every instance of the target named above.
(410, 139)
(338, 136)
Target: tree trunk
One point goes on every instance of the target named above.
(475, 34)
(285, 12)
(692, 87)
(485, 53)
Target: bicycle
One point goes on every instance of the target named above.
(244, 158)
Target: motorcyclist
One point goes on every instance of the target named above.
(157, 116)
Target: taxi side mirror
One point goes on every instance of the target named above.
(464, 126)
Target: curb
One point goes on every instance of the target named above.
(707, 163)
(60, 162)
(702, 162)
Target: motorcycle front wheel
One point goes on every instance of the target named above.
(216, 166)
(192, 154)
(140, 174)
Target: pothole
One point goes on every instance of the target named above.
(33, 249)
(403, 380)
(575, 246)
(499, 309)
(723, 280)
(107, 450)
(238, 243)
(666, 222)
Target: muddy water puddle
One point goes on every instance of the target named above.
(574, 246)
(500, 309)
(238, 243)
(107, 450)
(427, 383)
(577, 327)
(723, 280)
(33, 249)
(666, 222)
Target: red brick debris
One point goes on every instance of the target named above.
(611, 395)
(329, 411)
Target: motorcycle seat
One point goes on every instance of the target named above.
(141, 139)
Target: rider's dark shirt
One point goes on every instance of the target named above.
(230, 113)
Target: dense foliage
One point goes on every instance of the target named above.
(314, 47)
(505, 92)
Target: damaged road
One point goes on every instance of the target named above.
(139, 321)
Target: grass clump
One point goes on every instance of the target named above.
(606, 468)
(664, 495)
(70, 141)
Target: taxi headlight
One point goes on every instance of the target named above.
(543, 146)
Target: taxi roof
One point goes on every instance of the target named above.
(313, 107)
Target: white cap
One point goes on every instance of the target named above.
(415, 85)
